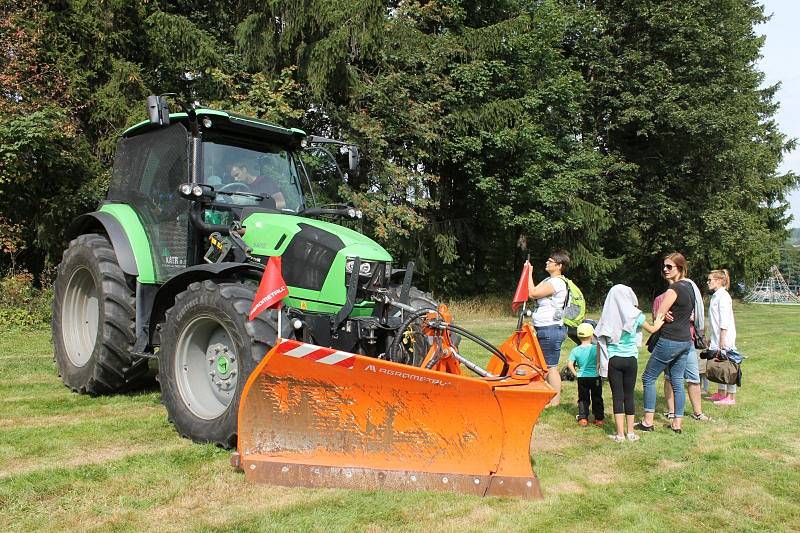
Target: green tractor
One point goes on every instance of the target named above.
(167, 268)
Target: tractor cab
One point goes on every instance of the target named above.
(192, 174)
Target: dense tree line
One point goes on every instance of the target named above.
(490, 131)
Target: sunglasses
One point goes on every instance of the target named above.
(668, 267)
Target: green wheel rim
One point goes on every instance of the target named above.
(206, 367)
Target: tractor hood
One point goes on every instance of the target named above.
(314, 256)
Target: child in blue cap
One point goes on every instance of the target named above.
(590, 386)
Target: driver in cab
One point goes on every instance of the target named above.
(256, 184)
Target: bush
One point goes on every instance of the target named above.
(22, 304)
(491, 305)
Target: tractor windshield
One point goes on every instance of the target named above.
(262, 175)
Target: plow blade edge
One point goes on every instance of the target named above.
(316, 417)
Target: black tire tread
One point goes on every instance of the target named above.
(259, 334)
(114, 368)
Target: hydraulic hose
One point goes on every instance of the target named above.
(407, 322)
(478, 340)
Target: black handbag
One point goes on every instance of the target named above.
(708, 354)
(652, 340)
(700, 341)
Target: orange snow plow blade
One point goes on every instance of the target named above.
(316, 417)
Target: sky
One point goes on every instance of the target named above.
(780, 51)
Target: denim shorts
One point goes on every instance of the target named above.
(692, 373)
(550, 340)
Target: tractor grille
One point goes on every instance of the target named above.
(308, 258)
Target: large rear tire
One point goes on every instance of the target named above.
(94, 320)
(209, 349)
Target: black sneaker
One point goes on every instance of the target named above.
(642, 427)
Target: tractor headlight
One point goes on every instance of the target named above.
(186, 189)
(197, 191)
(365, 269)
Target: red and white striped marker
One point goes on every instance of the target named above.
(318, 354)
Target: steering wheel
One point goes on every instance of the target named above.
(236, 186)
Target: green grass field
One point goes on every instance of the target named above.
(114, 463)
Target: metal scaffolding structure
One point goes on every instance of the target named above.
(772, 290)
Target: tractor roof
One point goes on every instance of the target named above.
(229, 122)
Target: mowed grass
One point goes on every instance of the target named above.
(70, 462)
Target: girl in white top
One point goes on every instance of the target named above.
(723, 327)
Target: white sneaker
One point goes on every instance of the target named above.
(633, 437)
(616, 438)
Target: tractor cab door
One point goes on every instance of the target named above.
(148, 169)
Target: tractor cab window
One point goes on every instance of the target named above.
(327, 182)
(249, 175)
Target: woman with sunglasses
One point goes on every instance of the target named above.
(551, 295)
(695, 370)
(674, 344)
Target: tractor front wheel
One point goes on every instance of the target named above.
(209, 349)
(94, 319)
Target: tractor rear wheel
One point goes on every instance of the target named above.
(209, 349)
(94, 320)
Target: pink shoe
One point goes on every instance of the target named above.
(716, 397)
(725, 401)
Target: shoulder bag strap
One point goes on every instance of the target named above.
(694, 306)
(566, 298)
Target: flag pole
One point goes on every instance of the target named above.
(280, 330)
(524, 306)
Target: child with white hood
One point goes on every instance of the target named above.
(618, 335)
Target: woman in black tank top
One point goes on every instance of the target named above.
(679, 328)
(674, 343)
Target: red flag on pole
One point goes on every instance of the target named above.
(271, 290)
(521, 294)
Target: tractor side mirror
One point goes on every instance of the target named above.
(158, 110)
(353, 160)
